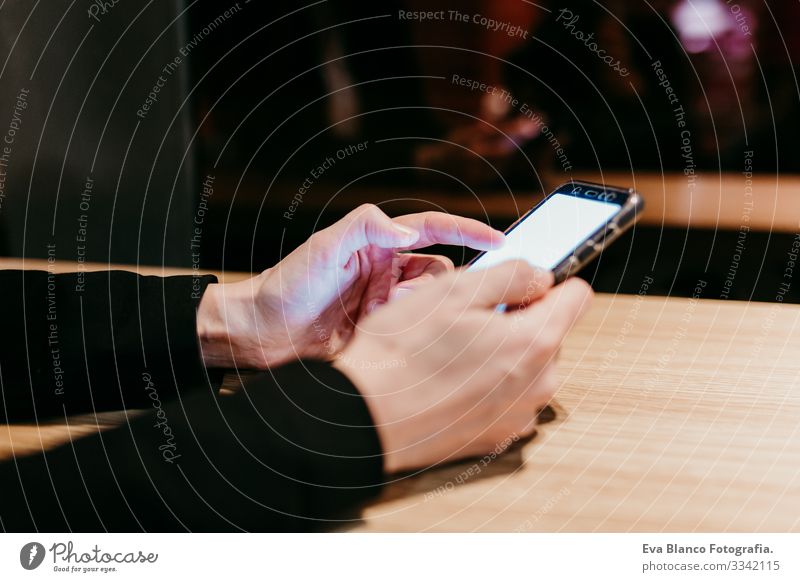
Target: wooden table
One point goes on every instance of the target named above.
(674, 415)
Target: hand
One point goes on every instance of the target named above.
(308, 305)
(446, 376)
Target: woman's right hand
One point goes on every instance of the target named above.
(446, 376)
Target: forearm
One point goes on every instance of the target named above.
(75, 343)
(293, 451)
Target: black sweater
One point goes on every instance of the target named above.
(294, 450)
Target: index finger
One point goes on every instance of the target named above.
(449, 229)
(513, 282)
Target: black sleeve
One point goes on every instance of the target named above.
(82, 342)
(290, 452)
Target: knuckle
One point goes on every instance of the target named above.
(498, 439)
(541, 281)
(524, 271)
(547, 343)
(525, 426)
(530, 281)
(324, 242)
(527, 430)
(460, 283)
(431, 217)
(362, 214)
(547, 384)
(583, 284)
(549, 387)
(515, 422)
(370, 211)
(540, 394)
(448, 263)
(366, 207)
(584, 287)
(515, 271)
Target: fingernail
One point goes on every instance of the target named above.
(499, 239)
(374, 304)
(400, 291)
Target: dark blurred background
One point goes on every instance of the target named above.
(291, 114)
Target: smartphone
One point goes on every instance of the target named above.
(567, 229)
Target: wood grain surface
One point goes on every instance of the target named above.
(674, 415)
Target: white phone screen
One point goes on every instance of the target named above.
(552, 232)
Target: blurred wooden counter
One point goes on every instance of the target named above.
(674, 415)
(726, 201)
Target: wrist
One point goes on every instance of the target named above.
(222, 320)
(364, 383)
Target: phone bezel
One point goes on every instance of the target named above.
(592, 245)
